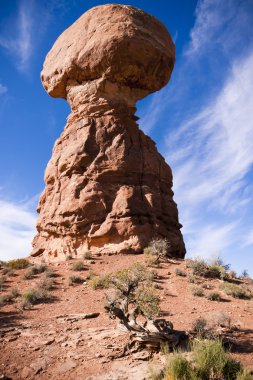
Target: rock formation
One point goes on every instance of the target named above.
(107, 190)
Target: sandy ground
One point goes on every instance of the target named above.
(47, 342)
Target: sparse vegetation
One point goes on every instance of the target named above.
(148, 301)
(17, 264)
(46, 284)
(214, 296)
(236, 291)
(34, 270)
(197, 290)
(178, 367)
(180, 272)
(156, 250)
(33, 296)
(100, 282)
(199, 326)
(220, 319)
(75, 280)
(2, 281)
(208, 361)
(78, 266)
(192, 279)
(9, 297)
(69, 256)
(198, 266)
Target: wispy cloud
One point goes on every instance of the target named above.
(3, 89)
(17, 228)
(210, 140)
(20, 45)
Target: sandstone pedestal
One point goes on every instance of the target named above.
(108, 189)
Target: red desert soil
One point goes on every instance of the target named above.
(47, 342)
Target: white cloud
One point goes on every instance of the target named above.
(20, 46)
(3, 89)
(210, 140)
(17, 228)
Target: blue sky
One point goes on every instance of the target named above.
(202, 121)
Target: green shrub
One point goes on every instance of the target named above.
(17, 264)
(180, 272)
(197, 290)
(75, 280)
(100, 282)
(178, 368)
(214, 296)
(78, 266)
(236, 291)
(209, 357)
(148, 301)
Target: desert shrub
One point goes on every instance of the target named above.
(197, 290)
(218, 269)
(35, 269)
(220, 319)
(78, 266)
(34, 296)
(178, 367)
(154, 374)
(198, 266)
(199, 326)
(148, 301)
(236, 291)
(157, 249)
(46, 284)
(75, 280)
(100, 282)
(87, 255)
(17, 264)
(214, 296)
(69, 256)
(210, 359)
(180, 272)
(49, 273)
(192, 279)
(9, 297)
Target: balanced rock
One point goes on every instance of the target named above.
(108, 190)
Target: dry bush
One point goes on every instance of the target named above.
(180, 272)
(17, 264)
(197, 290)
(214, 296)
(236, 291)
(78, 266)
(220, 319)
(156, 250)
(75, 280)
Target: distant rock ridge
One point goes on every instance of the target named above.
(108, 190)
